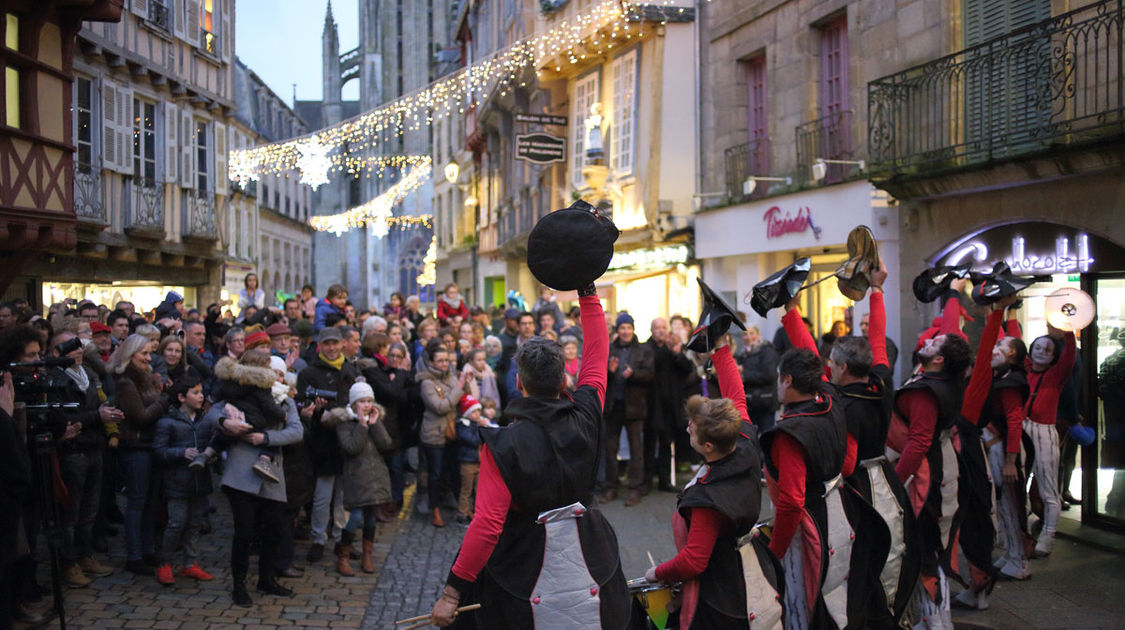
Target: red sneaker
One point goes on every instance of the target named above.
(164, 575)
(196, 573)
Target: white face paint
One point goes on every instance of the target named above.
(1042, 351)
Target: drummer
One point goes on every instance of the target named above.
(717, 507)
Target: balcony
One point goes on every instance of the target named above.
(209, 41)
(88, 205)
(158, 14)
(746, 160)
(827, 138)
(145, 211)
(1051, 86)
(199, 217)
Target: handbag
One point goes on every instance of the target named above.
(448, 422)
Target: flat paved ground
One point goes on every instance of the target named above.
(1077, 587)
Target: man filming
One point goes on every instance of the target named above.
(80, 434)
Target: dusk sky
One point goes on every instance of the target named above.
(280, 41)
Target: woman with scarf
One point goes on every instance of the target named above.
(173, 362)
(480, 380)
(441, 392)
(717, 508)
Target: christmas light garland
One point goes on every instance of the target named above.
(607, 22)
(428, 276)
(377, 213)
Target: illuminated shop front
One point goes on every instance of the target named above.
(742, 244)
(650, 283)
(1071, 257)
(144, 297)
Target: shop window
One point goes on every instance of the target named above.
(144, 143)
(585, 95)
(624, 111)
(84, 124)
(834, 67)
(202, 159)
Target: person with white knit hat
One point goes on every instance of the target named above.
(362, 435)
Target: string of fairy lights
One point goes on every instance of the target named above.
(340, 148)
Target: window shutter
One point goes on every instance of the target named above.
(140, 7)
(171, 124)
(187, 149)
(175, 15)
(220, 161)
(125, 128)
(191, 22)
(625, 111)
(110, 132)
(226, 33)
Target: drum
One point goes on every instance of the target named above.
(653, 599)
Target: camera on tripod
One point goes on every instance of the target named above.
(312, 393)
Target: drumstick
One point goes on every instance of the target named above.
(650, 560)
(421, 617)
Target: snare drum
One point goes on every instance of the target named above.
(653, 598)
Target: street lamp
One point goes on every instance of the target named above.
(820, 167)
(751, 183)
(452, 171)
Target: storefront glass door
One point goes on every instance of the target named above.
(1107, 491)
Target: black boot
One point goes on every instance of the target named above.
(270, 586)
(239, 594)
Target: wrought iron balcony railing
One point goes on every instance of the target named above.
(146, 208)
(828, 138)
(88, 205)
(199, 222)
(747, 160)
(209, 41)
(1055, 84)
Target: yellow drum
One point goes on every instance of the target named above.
(654, 598)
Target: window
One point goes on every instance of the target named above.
(84, 124)
(834, 67)
(757, 123)
(144, 143)
(624, 111)
(12, 75)
(202, 170)
(207, 27)
(158, 13)
(585, 95)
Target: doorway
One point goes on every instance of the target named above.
(1104, 499)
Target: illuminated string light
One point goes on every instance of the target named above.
(313, 163)
(428, 277)
(376, 213)
(594, 31)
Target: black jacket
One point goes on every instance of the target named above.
(759, 377)
(638, 384)
(175, 433)
(390, 386)
(92, 436)
(324, 448)
(667, 402)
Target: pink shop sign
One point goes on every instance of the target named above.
(779, 222)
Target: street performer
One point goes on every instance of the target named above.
(920, 439)
(534, 555)
(716, 508)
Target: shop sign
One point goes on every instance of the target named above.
(540, 148)
(659, 257)
(542, 119)
(779, 223)
(1028, 251)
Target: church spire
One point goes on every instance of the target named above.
(329, 21)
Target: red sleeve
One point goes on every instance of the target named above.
(1013, 329)
(706, 525)
(798, 335)
(464, 310)
(1012, 401)
(921, 407)
(493, 502)
(730, 383)
(850, 456)
(951, 317)
(877, 330)
(1060, 372)
(789, 504)
(595, 346)
(976, 393)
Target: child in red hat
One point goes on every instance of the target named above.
(468, 454)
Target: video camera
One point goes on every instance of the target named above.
(312, 393)
(31, 380)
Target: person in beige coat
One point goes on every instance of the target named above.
(440, 393)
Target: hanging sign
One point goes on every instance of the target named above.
(780, 223)
(540, 148)
(1035, 248)
(541, 119)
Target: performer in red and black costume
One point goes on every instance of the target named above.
(531, 521)
(716, 508)
(925, 411)
(858, 373)
(806, 455)
(1003, 417)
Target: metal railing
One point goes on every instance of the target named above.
(158, 14)
(828, 138)
(209, 41)
(746, 160)
(88, 205)
(199, 222)
(146, 206)
(1055, 84)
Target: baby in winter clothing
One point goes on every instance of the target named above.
(251, 385)
(468, 452)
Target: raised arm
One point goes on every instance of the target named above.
(981, 381)
(730, 384)
(799, 335)
(595, 346)
(877, 329)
